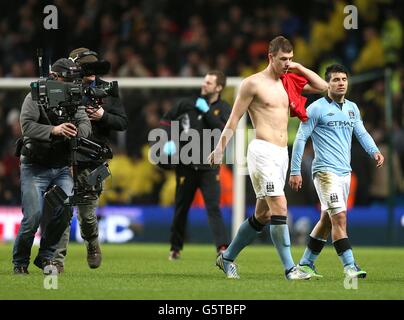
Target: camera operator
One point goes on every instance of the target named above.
(107, 117)
(44, 161)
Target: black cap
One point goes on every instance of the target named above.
(63, 65)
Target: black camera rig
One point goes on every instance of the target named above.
(64, 100)
(88, 182)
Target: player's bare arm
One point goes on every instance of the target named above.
(243, 100)
(315, 83)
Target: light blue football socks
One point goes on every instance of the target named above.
(246, 234)
(344, 251)
(279, 231)
(313, 249)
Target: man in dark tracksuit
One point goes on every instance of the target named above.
(105, 118)
(205, 112)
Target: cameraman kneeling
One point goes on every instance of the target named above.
(105, 117)
(44, 163)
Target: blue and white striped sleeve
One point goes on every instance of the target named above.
(364, 138)
(304, 132)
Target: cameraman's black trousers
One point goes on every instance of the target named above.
(188, 181)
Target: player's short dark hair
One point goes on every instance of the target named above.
(335, 68)
(220, 77)
(280, 43)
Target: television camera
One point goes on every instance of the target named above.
(63, 99)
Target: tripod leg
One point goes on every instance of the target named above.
(58, 222)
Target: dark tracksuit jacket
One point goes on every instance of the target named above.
(198, 173)
(113, 119)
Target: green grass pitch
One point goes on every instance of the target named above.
(142, 271)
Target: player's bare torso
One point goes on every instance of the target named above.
(269, 109)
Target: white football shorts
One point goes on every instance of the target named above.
(267, 166)
(333, 191)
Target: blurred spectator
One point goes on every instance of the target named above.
(195, 65)
(133, 181)
(134, 67)
(372, 54)
(373, 108)
(392, 38)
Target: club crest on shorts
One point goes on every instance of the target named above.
(333, 198)
(270, 187)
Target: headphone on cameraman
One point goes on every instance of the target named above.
(70, 73)
(97, 67)
(64, 74)
(84, 54)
